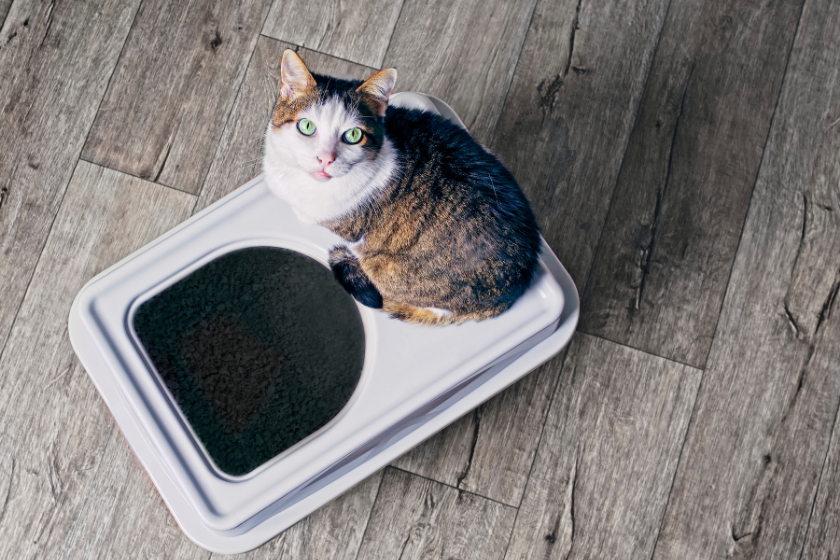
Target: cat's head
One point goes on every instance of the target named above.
(326, 126)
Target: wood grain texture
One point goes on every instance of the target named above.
(238, 157)
(665, 256)
(54, 426)
(569, 113)
(123, 516)
(125, 513)
(463, 52)
(490, 450)
(415, 518)
(55, 61)
(4, 11)
(358, 32)
(607, 458)
(822, 540)
(173, 88)
(749, 473)
(333, 532)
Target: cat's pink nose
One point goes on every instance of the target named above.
(325, 159)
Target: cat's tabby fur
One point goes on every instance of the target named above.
(438, 231)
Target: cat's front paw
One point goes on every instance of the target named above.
(348, 271)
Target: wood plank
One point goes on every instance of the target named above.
(490, 451)
(464, 52)
(770, 395)
(607, 458)
(54, 425)
(4, 11)
(173, 88)
(823, 537)
(670, 238)
(358, 32)
(569, 113)
(124, 517)
(414, 517)
(333, 532)
(238, 157)
(56, 60)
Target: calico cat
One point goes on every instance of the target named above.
(437, 229)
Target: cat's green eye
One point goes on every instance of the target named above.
(306, 127)
(353, 136)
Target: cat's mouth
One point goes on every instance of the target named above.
(322, 176)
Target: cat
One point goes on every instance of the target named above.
(437, 229)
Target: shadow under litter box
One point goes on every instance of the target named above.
(259, 348)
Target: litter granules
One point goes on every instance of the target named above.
(259, 348)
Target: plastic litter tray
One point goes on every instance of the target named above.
(408, 383)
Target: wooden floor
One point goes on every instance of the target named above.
(682, 156)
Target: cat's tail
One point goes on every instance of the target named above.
(432, 316)
(349, 273)
(418, 315)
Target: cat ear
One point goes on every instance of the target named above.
(377, 89)
(295, 79)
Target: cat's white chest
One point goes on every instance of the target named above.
(320, 201)
(311, 201)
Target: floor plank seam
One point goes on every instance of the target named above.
(755, 181)
(636, 115)
(513, 525)
(679, 461)
(37, 263)
(492, 138)
(227, 119)
(223, 129)
(649, 353)
(315, 51)
(137, 177)
(370, 514)
(94, 478)
(453, 487)
(819, 481)
(565, 354)
(391, 38)
(562, 358)
(111, 77)
(5, 17)
(651, 246)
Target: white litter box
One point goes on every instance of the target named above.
(414, 380)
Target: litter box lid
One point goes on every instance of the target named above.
(411, 375)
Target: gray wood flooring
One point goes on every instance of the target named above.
(683, 159)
